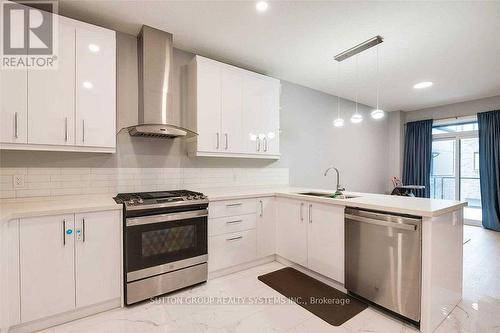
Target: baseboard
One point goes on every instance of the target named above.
(326, 280)
(44, 323)
(241, 267)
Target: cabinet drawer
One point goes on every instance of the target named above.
(228, 224)
(231, 249)
(232, 208)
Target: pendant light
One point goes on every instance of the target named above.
(377, 113)
(339, 122)
(356, 117)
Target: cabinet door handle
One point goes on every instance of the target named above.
(234, 238)
(83, 231)
(310, 213)
(64, 231)
(234, 204)
(265, 144)
(301, 211)
(217, 146)
(16, 116)
(66, 129)
(261, 208)
(233, 222)
(258, 144)
(226, 141)
(83, 130)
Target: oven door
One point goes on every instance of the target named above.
(157, 244)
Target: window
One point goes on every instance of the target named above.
(476, 161)
(455, 165)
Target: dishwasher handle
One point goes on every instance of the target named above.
(411, 227)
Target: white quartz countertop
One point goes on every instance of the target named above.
(41, 206)
(388, 203)
(30, 207)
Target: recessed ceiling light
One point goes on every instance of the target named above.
(261, 6)
(422, 85)
(377, 114)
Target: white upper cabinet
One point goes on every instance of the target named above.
(70, 107)
(51, 99)
(232, 87)
(234, 111)
(95, 87)
(14, 108)
(208, 103)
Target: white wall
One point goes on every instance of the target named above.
(311, 143)
(455, 110)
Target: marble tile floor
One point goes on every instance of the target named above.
(479, 311)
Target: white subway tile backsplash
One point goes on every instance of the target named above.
(74, 181)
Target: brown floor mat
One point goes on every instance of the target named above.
(330, 304)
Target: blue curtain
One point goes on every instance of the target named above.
(418, 156)
(489, 167)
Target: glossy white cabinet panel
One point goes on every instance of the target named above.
(97, 257)
(14, 106)
(95, 87)
(266, 227)
(208, 106)
(46, 266)
(291, 230)
(232, 208)
(228, 224)
(232, 88)
(51, 95)
(231, 249)
(325, 240)
(234, 111)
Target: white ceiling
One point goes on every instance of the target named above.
(454, 44)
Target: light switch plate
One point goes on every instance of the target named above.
(18, 181)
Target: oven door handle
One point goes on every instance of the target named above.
(166, 217)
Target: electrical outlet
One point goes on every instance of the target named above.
(18, 181)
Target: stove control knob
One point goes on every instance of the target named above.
(189, 197)
(140, 200)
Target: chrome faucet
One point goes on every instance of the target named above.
(339, 188)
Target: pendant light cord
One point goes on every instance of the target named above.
(338, 95)
(378, 77)
(357, 84)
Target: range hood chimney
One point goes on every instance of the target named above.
(154, 53)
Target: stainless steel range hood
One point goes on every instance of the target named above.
(154, 53)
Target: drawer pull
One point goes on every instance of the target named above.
(232, 222)
(234, 204)
(234, 238)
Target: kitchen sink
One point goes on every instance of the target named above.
(326, 195)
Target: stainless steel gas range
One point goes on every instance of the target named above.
(165, 242)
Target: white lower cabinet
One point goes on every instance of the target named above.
(97, 257)
(325, 240)
(232, 249)
(291, 230)
(311, 235)
(46, 266)
(266, 227)
(67, 262)
(307, 233)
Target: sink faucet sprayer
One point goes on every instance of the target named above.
(339, 187)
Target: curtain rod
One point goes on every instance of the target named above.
(447, 118)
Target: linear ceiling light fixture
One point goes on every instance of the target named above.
(359, 48)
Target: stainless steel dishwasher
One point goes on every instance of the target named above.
(383, 259)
